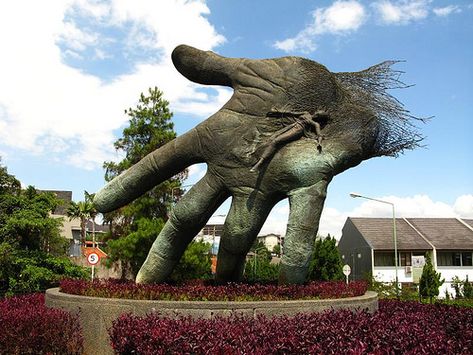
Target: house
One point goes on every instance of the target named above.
(367, 245)
(71, 229)
(270, 240)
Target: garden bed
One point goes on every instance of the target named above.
(196, 302)
(397, 328)
(28, 327)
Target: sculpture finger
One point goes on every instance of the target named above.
(186, 219)
(204, 67)
(153, 169)
(305, 209)
(242, 225)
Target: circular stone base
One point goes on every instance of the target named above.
(97, 314)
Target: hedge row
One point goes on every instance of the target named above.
(398, 327)
(200, 292)
(27, 326)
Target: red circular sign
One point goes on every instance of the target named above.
(93, 258)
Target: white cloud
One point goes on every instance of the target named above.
(402, 12)
(332, 220)
(340, 18)
(463, 206)
(447, 10)
(49, 107)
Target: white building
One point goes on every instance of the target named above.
(270, 240)
(367, 245)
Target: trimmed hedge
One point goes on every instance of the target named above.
(200, 292)
(398, 327)
(27, 326)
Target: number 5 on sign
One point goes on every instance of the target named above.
(93, 259)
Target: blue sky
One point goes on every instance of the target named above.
(68, 69)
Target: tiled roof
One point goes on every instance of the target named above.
(444, 233)
(379, 234)
(469, 222)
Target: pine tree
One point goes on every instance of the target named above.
(326, 263)
(429, 281)
(135, 226)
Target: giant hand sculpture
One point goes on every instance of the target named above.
(364, 121)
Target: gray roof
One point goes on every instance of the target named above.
(469, 222)
(378, 232)
(444, 233)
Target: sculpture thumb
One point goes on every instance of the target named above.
(156, 167)
(204, 67)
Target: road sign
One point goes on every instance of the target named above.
(346, 270)
(93, 258)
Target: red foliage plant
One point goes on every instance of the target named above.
(27, 326)
(199, 292)
(397, 328)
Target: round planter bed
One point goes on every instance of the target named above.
(97, 313)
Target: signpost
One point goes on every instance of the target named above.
(93, 259)
(346, 271)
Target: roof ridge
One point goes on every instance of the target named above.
(464, 223)
(419, 233)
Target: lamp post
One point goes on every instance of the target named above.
(355, 195)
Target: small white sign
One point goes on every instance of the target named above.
(418, 261)
(346, 269)
(93, 258)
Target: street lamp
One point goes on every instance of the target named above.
(355, 195)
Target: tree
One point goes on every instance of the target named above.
(195, 263)
(429, 281)
(149, 128)
(131, 250)
(31, 248)
(26, 222)
(259, 268)
(83, 210)
(326, 263)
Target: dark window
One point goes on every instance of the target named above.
(454, 259)
(405, 259)
(383, 258)
(466, 259)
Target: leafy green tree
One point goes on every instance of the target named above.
(84, 211)
(258, 268)
(195, 263)
(277, 250)
(26, 221)
(429, 281)
(131, 250)
(150, 127)
(326, 263)
(30, 242)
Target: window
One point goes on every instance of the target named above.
(454, 259)
(466, 259)
(383, 258)
(405, 259)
